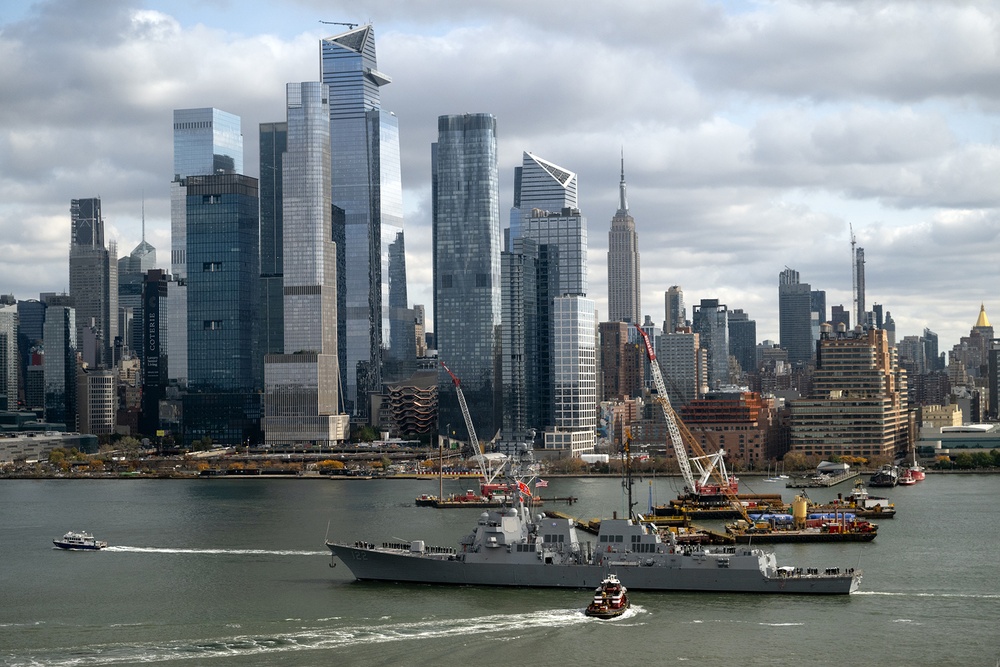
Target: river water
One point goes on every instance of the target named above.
(234, 572)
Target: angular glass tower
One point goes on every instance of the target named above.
(543, 185)
(623, 263)
(545, 219)
(368, 196)
(466, 248)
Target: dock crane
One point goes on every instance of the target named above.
(707, 464)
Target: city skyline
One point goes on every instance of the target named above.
(741, 167)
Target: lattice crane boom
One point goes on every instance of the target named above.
(680, 450)
(680, 436)
(470, 427)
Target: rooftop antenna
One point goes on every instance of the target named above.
(854, 276)
(143, 216)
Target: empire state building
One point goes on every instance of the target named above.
(623, 264)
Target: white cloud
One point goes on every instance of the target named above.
(752, 138)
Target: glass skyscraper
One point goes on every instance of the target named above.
(131, 273)
(519, 269)
(93, 277)
(676, 314)
(743, 340)
(543, 185)
(222, 305)
(710, 320)
(565, 230)
(273, 144)
(153, 348)
(574, 321)
(545, 215)
(207, 142)
(301, 406)
(795, 317)
(60, 362)
(368, 196)
(466, 245)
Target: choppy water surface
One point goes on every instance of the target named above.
(233, 572)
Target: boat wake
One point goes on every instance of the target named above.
(311, 639)
(240, 552)
(965, 596)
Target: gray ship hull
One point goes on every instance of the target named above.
(676, 573)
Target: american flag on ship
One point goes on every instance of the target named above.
(540, 484)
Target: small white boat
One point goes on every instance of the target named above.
(79, 541)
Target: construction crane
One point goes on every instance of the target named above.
(489, 484)
(350, 26)
(707, 464)
(473, 440)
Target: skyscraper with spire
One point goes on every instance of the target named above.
(623, 263)
(131, 269)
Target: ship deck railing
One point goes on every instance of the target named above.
(405, 546)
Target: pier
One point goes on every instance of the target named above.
(813, 483)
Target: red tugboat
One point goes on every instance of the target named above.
(610, 599)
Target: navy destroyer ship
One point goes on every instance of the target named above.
(513, 547)
(508, 547)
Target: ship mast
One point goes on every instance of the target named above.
(627, 470)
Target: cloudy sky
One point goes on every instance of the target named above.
(755, 133)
